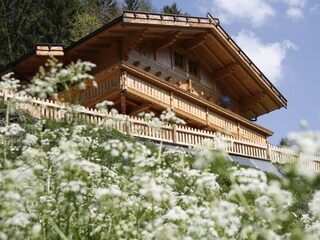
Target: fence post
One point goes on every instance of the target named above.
(127, 126)
(268, 150)
(174, 133)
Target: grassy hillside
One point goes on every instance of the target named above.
(78, 181)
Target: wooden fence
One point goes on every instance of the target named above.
(173, 134)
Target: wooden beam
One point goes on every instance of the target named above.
(212, 55)
(195, 42)
(98, 45)
(223, 72)
(123, 103)
(132, 41)
(248, 103)
(139, 109)
(168, 40)
(108, 39)
(86, 51)
(222, 46)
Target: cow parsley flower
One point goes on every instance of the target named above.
(169, 116)
(314, 205)
(8, 82)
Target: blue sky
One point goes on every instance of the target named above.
(282, 37)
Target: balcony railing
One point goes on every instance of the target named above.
(173, 134)
(187, 108)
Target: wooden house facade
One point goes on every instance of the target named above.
(152, 62)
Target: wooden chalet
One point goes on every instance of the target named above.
(152, 62)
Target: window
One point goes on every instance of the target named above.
(178, 60)
(193, 67)
(185, 63)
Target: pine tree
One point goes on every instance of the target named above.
(95, 14)
(105, 10)
(24, 23)
(173, 9)
(131, 5)
(146, 5)
(56, 22)
(19, 28)
(137, 5)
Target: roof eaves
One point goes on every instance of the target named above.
(12, 64)
(282, 100)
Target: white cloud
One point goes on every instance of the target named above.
(295, 3)
(268, 57)
(315, 8)
(255, 12)
(295, 13)
(295, 8)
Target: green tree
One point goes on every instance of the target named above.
(104, 10)
(131, 5)
(285, 142)
(95, 14)
(172, 9)
(56, 21)
(19, 27)
(23, 23)
(84, 24)
(146, 5)
(137, 5)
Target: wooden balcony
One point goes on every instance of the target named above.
(170, 134)
(161, 95)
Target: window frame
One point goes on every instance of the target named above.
(195, 66)
(186, 61)
(176, 53)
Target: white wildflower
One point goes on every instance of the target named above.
(176, 213)
(30, 140)
(314, 205)
(104, 105)
(8, 82)
(12, 129)
(249, 180)
(207, 182)
(169, 116)
(20, 219)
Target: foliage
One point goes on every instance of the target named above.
(95, 14)
(84, 24)
(172, 9)
(24, 23)
(137, 5)
(284, 142)
(46, 84)
(63, 180)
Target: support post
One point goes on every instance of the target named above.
(123, 81)
(127, 126)
(123, 103)
(238, 130)
(174, 133)
(207, 116)
(268, 150)
(171, 101)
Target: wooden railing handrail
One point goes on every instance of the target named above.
(180, 135)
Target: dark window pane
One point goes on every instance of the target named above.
(178, 60)
(193, 67)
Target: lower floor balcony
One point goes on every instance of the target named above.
(133, 91)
